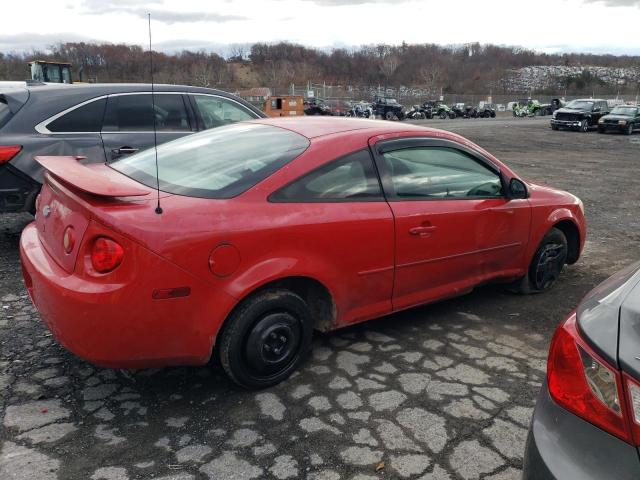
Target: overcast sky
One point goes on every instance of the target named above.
(600, 26)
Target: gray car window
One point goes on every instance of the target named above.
(5, 112)
(135, 113)
(86, 118)
(217, 111)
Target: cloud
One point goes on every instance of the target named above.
(25, 42)
(346, 3)
(169, 17)
(140, 8)
(616, 3)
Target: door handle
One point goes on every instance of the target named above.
(124, 150)
(424, 231)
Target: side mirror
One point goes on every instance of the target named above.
(517, 189)
(596, 109)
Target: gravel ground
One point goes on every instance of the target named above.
(439, 392)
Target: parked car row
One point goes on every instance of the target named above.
(591, 113)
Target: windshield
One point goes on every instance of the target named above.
(580, 105)
(218, 163)
(624, 110)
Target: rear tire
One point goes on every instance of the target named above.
(266, 338)
(546, 265)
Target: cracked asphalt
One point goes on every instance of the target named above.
(439, 392)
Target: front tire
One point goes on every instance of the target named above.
(629, 130)
(266, 338)
(584, 126)
(547, 263)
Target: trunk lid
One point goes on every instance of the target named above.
(601, 318)
(629, 347)
(70, 191)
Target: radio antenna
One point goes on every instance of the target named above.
(155, 128)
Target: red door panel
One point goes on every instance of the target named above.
(437, 251)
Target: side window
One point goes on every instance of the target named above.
(439, 172)
(135, 113)
(87, 118)
(217, 111)
(351, 178)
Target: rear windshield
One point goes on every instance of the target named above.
(5, 113)
(218, 163)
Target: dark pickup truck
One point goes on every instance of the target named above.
(580, 115)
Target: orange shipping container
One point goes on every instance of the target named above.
(284, 106)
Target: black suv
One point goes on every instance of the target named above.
(102, 122)
(388, 108)
(316, 106)
(623, 118)
(580, 115)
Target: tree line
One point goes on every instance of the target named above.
(470, 68)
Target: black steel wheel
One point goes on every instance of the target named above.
(265, 339)
(547, 263)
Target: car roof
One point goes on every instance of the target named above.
(314, 127)
(96, 89)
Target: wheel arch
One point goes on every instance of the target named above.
(314, 292)
(572, 234)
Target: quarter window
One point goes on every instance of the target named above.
(439, 173)
(217, 111)
(87, 118)
(351, 178)
(135, 113)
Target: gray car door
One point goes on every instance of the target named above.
(128, 125)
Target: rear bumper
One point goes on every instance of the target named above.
(562, 446)
(118, 324)
(17, 190)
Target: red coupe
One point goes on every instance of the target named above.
(270, 229)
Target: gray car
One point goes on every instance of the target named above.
(100, 121)
(586, 423)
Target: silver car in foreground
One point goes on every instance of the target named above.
(586, 424)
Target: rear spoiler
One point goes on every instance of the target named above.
(96, 179)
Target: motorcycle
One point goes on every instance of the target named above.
(359, 111)
(416, 113)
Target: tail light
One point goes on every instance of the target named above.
(106, 254)
(583, 383)
(633, 387)
(8, 152)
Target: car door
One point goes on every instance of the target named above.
(215, 111)
(128, 125)
(454, 228)
(338, 214)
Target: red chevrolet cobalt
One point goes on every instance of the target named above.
(273, 228)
